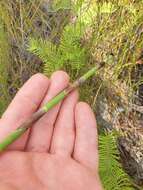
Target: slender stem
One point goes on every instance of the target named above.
(13, 136)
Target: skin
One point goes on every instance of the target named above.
(60, 151)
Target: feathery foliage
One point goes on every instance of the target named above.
(48, 54)
(111, 171)
(68, 55)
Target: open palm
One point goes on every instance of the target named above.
(60, 151)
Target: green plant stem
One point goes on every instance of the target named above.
(13, 136)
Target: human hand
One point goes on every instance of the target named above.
(60, 152)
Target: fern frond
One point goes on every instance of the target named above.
(111, 172)
(67, 55)
(48, 53)
(74, 54)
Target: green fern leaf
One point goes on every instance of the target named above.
(48, 53)
(111, 172)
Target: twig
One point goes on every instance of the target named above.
(137, 108)
(13, 136)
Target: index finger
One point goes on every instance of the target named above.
(23, 105)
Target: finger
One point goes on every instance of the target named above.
(64, 131)
(23, 105)
(86, 146)
(6, 186)
(42, 131)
